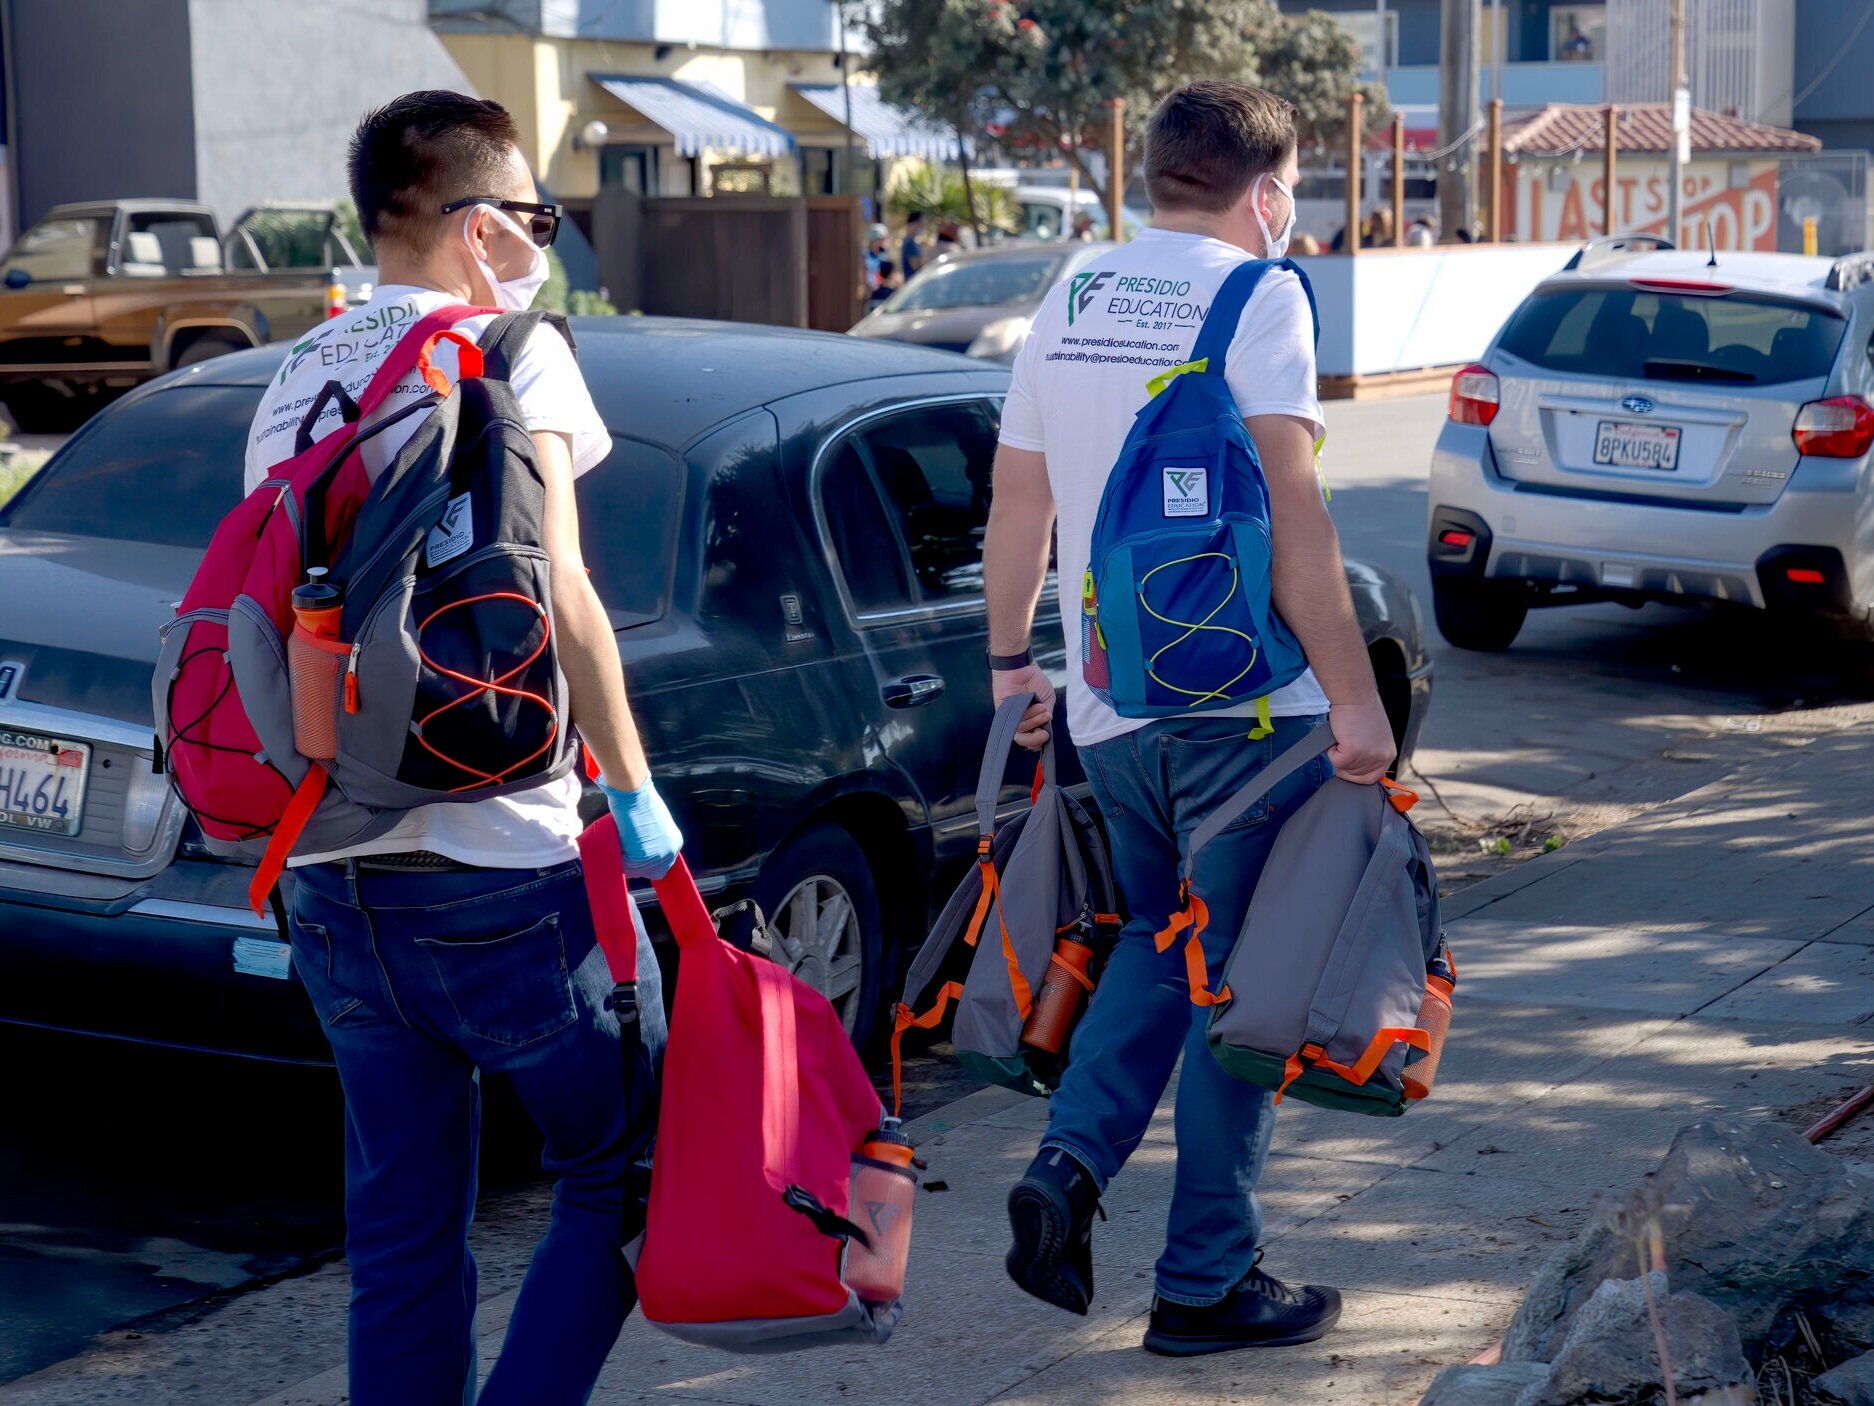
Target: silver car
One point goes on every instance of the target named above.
(980, 303)
(1663, 425)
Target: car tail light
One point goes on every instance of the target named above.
(1841, 427)
(1698, 288)
(1806, 576)
(335, 301)
(1474, 396)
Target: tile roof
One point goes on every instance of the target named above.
(1563, 127)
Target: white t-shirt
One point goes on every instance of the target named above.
(1081, 377)
(533, 828)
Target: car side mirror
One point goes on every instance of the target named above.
(18, 278)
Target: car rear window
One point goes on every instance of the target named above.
(1632, 333)
(978, 283)
(164, 470)
(167, 469)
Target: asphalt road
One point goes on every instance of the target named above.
(134, 1182)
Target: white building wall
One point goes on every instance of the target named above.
(1739, 55)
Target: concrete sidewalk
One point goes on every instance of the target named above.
(1715, 956)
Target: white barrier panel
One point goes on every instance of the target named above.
(1406, 309)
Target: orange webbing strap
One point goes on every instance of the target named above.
(1034, 791)
(1071, 970)
(1018, 984)
(468, 360)
(1195, 915)
(1297, 1065)
(986, 897)
(1402, 799)
(285, 835)
(901, 1021)
(1380, 1046)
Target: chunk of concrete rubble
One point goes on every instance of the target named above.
(1752, 1218)
(1851, 1384)
(1610, 1355)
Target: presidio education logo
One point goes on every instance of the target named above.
(1137, 300)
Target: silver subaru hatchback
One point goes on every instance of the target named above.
(1658, 424)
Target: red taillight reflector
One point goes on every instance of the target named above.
(1452, 537)
(1695, 286)
(1806, 576)
(1474, 396)
(335, 299)
(1841, 427)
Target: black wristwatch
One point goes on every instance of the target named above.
(1003, 663)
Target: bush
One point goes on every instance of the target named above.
(938, 192)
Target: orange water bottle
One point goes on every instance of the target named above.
(884, 1190)
(1441, 979)
(1063, 991)
(315, 660)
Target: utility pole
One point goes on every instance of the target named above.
(1681, 124)
(1457, 116)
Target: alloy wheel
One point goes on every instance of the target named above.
(815, 932)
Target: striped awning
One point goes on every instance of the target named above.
(885, 130)
(699, 116)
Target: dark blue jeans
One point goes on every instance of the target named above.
(1154, 787)
(421, 981)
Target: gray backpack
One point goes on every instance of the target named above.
(1040, 881)
(1338, 990)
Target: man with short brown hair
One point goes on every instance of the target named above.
(1220, 170)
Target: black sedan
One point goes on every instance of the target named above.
(788, 535)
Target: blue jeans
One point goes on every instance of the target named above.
(1154, 787)
(421, 980)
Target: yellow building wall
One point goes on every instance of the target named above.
(547, 85)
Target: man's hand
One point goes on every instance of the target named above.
(1363, 743)
(1036, 722)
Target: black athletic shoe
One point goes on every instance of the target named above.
(1051, 1212)
(1262, 1311)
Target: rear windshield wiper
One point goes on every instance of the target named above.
(1666, 370)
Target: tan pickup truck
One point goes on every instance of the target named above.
(96, 298)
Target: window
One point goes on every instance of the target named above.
(57, 249)
(1578, 33)
(634, 168)
(870, 557)
(979, 283)
(159, 242)
(934, 466)
(165, 471)
(629, 508)
(290, 239)
(1628, 332)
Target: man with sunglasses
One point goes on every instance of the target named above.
(461, 942)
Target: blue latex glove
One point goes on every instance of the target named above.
(646, 833)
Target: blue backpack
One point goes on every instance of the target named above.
(1175, 609)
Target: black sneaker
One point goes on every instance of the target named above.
(1051, 1212)
(1261, 1311)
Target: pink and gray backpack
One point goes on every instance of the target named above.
(432, 675)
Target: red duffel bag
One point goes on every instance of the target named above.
(780, 1195)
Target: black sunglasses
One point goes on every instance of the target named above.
(543, 221)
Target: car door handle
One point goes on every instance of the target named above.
(912, 691)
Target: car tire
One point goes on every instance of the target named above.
(1480, 615)
(207, 349)
(821, 904)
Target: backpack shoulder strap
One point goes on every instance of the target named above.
(1226, 314)
(507, 336)
(996, 760)
(1226, 310)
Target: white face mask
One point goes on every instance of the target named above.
(1274, 246)
(513, 294)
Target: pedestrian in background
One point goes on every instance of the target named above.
(949, 241)
(888, 282)
(1379, 233)
(911, 252)
(460, 942)
(1220, 170)
(878, 245)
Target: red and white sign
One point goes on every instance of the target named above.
(1738, 216)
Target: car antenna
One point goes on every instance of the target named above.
(1711, 239)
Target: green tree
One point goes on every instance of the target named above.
(1051, 67)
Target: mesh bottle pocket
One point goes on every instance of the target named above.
(1435, 1020)
(314, 666)
(881, 1203)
